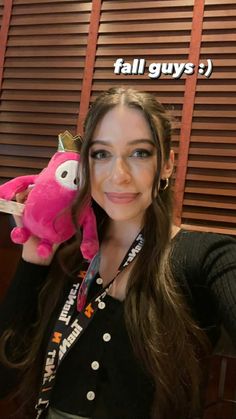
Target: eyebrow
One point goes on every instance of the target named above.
(133, 142)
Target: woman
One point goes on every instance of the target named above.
(158, 295)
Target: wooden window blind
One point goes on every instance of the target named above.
(43, 71)
(2, 39)
(210, 188)
(158, 32)
(1, 12)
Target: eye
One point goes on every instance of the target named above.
(142, 153)
(100, 154)
(66, 174)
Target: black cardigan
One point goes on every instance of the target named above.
(101, 378)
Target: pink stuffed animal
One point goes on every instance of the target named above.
(47, 208)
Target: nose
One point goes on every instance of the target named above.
(120, 171)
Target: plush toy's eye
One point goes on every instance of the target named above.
(66, 174)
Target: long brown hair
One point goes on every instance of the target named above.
(164, 336)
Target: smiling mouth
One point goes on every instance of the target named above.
(121, 198)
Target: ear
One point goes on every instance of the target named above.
(168, 166)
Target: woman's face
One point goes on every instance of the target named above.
(123, 162)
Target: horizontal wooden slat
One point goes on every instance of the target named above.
(136, 39)
(205, 113)
(62, 28)
(51, 2)
(217, 24)
(209, 204)
(214, 50)
(161, 39)
(222, 12)
(26, 139)
(23, 162)
(163, 15)
(224, 165)
(211, 229)
(144, 27)
(44, 73)
(145, 15)
(101, 86)
(223, 217)
(217, 88)
(217, 37)
(41, 39)
(166, 98)
(12, 172)
(46, 95)
(56, 51)
(151, 27)
(44, 7)
(108, 74)
(214, 126)
(38, 62)
(208, 137)
(213, 179)
(37, 119)
(68, 85)
(221, 100)
(51, 18)
(211, 191)
(38, 108)
(107, 51)
(135, 5)
(219, 2)
(224, 151)
(14, 128)
(160, 50)
(226, 63)
(27, 150)
(222, 75)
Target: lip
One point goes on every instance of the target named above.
(121, 198)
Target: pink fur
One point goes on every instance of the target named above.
(47, 208)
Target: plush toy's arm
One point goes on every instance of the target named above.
(90, 243)
(9, 189)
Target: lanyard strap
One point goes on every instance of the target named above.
(67, 332)
(93, 268)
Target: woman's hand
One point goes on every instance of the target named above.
(29, 253)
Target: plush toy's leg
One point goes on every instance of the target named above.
(20, 235)
(44, 249)
(88, 248)
(90, 244)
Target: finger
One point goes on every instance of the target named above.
(21, 196)
(18, 220)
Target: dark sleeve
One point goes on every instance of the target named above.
(19, 308)
(20, 301)
(219, 272)
(207, 262)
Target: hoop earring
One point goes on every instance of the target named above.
(166, 185)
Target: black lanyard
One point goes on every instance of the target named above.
(66, 333)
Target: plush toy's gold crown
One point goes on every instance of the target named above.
(66, 142)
